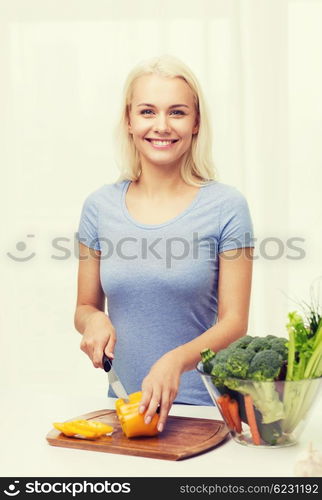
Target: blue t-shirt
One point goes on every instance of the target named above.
(161, 280)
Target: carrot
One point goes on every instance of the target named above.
(223, 402)
(234, 413)
(249, 408)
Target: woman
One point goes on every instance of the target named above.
(166, 244)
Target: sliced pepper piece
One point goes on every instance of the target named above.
(88, 429)
(132, 422)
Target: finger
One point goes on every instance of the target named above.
(153, 406)
(146, 398)
(97, 358)
(109, 349)
(164, 410)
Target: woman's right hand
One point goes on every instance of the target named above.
(98, 338)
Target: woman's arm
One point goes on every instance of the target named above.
(234, 286)
(90, 319)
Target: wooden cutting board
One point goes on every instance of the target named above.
(183, 437)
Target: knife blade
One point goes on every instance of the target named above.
(114, 380)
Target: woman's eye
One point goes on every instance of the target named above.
(175, 111)
(179, 111)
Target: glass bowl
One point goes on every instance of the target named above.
(263, 414)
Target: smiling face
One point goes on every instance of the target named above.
(162, 119)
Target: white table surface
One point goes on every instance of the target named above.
(27, 415)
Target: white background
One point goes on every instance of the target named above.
(63, 64)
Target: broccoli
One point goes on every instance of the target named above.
(259, 344)
(278, 344)
(238, 362)
(208, 359)
(272, 337)
(265, 365)
(219, 373)
(249, 366)
(222, 355)
(241, 343)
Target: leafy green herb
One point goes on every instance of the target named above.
(304, 363)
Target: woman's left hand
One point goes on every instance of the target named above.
(160, 387)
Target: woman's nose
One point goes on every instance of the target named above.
(161, 124)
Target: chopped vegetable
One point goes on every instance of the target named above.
(304, 362)
(307, 347)
(223, 402)
(84, 428)
(281, 376)
(270, 433)
(238, 362)
(245, 364)
(230, 412)
(252, 420)
(132, 422)
(208, 358)
(234, 413)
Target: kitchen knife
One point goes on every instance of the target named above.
(113, 379)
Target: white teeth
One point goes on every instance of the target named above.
(161, 143)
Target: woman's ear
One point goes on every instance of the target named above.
(129, 126)
(195, 129)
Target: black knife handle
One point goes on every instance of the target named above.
(107, 363)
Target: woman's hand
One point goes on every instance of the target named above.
(98, 337)
(160, 387)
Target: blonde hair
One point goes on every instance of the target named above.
(197, 162)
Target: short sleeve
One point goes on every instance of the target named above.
(236, 227)
(88, 224)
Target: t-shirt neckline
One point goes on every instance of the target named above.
(127, 214)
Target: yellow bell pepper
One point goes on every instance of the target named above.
(85, 428)
(132, 422)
